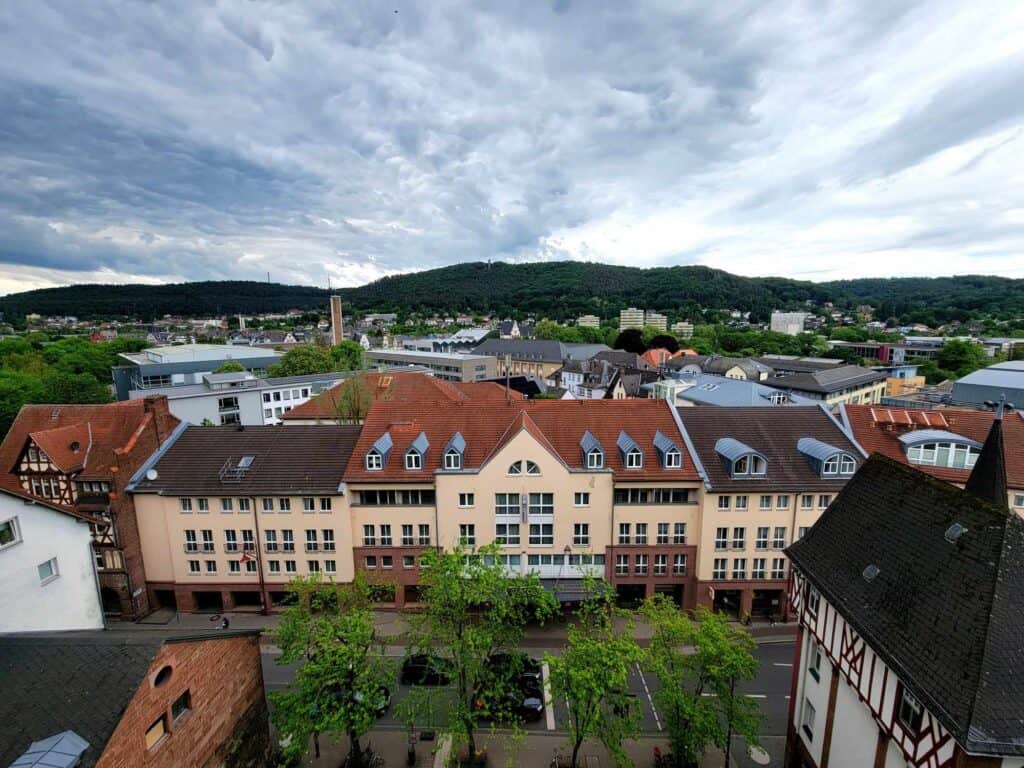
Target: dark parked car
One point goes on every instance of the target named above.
(422, 669)
(523, 700)
(381, 701)
(518, 664)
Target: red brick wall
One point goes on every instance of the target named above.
(227, 724)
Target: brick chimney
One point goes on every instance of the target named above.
(163, 420)
(337, 327)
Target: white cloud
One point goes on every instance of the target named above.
(313, 140)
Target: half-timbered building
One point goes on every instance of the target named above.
(910, 650)
(79, 458)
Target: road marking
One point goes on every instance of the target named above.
(780, 664)
(755, 695)
(549, 704)
(650, 700)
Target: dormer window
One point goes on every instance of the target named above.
(593, 453)
(632, 456)
(374, 460)
(673, 459)
(668, 451)
(839, 464)
(939, 448)
(634, 459)
(413, 460)
(595, 460)
(826, 460)
(418, 449)
(742, 461)
(452, 459)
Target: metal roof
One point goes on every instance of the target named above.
(420, 444)
(457, 443)
(384, 444)
(664, 444)
(730, 448)
(626, 443)
(817, 449)
(590, 443)
(919, 436)
(64, 750)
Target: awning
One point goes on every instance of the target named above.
(572, 590)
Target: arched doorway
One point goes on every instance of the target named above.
(111, 600)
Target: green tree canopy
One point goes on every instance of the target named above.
(347, 356)
(304, 360)
(230, 366)
(961, 357)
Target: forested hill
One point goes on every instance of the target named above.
(558, 290)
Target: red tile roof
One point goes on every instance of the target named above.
(878, 429)
(403, 386)
(559, 425)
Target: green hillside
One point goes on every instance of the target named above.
(558, 290)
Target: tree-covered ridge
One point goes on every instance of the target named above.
(557, 290)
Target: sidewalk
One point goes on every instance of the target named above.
(392, 625)
(504, 750)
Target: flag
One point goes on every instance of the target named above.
(246, 558)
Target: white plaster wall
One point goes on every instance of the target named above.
(817, 692)
(854, 735)
(70, 601)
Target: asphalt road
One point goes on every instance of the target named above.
(770, 689)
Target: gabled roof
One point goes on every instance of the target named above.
(878, 428)
(945, 617)
(773, 432)
(709, 389)
(299, 459)
(80, 681)
(828, 380)
(560, 426)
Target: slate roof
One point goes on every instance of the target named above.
(878, 428)
(559, 425)
(827, 381)
(709, 389)
(294, 459)
(944, 617)
(753, 370)
(774, 433)
(543, 350)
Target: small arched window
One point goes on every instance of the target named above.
(413, 460)
(532, 468)
(595, 459)
(750, 465)
(839, 464)
(515, 468)
(634, 459)
(673, 458)
(374, 460)
(453, 460)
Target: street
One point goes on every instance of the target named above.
(770, 689)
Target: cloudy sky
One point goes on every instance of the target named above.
(186, 140)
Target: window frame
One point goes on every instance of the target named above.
(373, 461)
(413, 461)
(452, 459)
(15, 528)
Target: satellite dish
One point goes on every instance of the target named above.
(152, 474)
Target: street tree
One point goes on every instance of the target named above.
(301, 361)
(961, 357)
(472, 609)
(230, 366)
(352, 400)
(699, 665)
(344, 677)
(347, 356)
(591, 676)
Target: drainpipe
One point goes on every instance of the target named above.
(259, 556)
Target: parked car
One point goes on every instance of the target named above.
(505, 665)
(523, 700)
(422, 669)
(380, 702)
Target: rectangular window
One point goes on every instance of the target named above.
(655, 496)
(48, 571)
(807, 501)
(779, 539)
(424, 535)
(325, 503)
(204, 504)
(739, 567)
(911, 712)
(506, 504)
(387, 562)
(284, 504)
(407, 538)
(662, 537)
(308, 504)
(724, 502)
(207, 540)
(506, 534)
(782, 501)
(313, 566)
(243, 505)
(814, 658)
(807, 720)
(766, 503)
(813, 600)
(370, 562)
(211, 567)
(542, 534)
(226, 505)
(762, 537)
(248, 542)
(156, 732)
(824, 500)
(287, 540)
(250, 566)
(275, 566)
(641, 565)
(624, 533)
(268, 505)
(757, 568)
(193, 566)
(741, 503)
(721, 538)
(1018, 500)
(191, 545)
(467, 499)
(622, 565)
(718, 569)
(581, 499)
(329, 539)
(408, 561)
(778, 567)
(369, 536)
(289, 566)
(185, 505)
(312, 545)
(641, 533)
(230, 541)
(801, 531)
(581, 534)
(679, 533)
(270, 537)
(660, 565)
(234, 568)
(678, 565)
(541, 504)
(467, 534)
(739, 538)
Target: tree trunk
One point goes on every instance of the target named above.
(355, 753)
(316, 744)
(576, 752)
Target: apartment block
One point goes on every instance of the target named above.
(789, 323)
(631, 318)
(450, 366)
(656, 320)
(588, 321)
(683, 329)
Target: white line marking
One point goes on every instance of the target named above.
(755, 695)
(549, 706)
(780, 664)
(650, 700)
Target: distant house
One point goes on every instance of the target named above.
(132, 699)
(834, 385)
(537, 357)
(706, 389)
